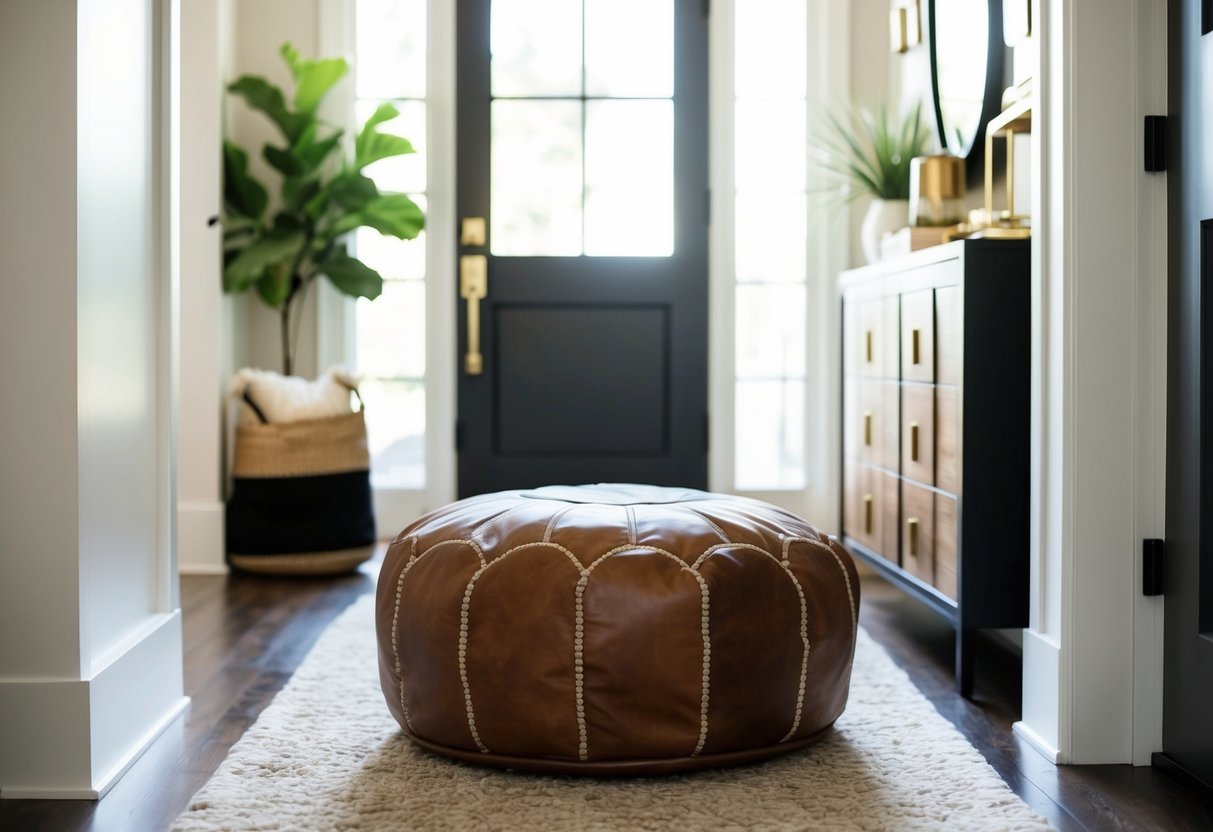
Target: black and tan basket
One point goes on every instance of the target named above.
(301, 496)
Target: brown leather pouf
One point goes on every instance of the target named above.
(615, 629)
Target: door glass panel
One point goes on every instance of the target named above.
(391, 49)
(629, 48)
(582, 156)
(536, 48)
(536, 177)
(629, 173)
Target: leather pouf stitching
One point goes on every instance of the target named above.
(615, 629)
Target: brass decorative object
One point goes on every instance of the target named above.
(473, 286)
(905, 26)
(937, 190)
(1005, 223)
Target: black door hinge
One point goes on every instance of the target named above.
(1153, 573)
(458, 434)
(707, 432)
(1156, 144)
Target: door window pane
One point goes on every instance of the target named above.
(629, 172)
(536, 47)
(390, 48)
(629, 48)
(536, 178)
(771, 148)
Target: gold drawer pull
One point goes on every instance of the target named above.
(867, 428)
(912, 533)
(868, 345)
(913, 441)
(867, 513)
(915, 350)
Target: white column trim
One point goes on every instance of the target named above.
(1093, 650)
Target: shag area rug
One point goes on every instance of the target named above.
(326, 754)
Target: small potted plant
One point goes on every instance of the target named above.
(869, 151)
(301, 497)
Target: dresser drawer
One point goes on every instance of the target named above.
(946, 530)
(949, 346)
(918, 335)
(871, 338)
(918, 531)
(918, 432)
(947, 439)
(870, 427)
(870, 509)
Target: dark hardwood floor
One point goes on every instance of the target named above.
(245, 636)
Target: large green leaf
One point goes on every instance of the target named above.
(243, 195)
(263, 96)
(353, 191)
(371, 145)
(392, 214)
(313, 79)
(352, 277)
(282, 160)
(251, 263)
(274, 287)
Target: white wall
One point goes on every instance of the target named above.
(90, 639)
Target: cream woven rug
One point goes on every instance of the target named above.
(326, 754)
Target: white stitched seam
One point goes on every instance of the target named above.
(547, 534)
(705, 627)
(476, 532)
(631, 516)
(710, 522)
(583, 748)
(395, 627)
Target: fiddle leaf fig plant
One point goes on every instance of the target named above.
(323, 195)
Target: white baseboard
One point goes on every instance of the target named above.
(200, 541)
(1040, 725)
(1024, 732)
(74, 738)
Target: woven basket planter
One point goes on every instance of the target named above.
(301, 497)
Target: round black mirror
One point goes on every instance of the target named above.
(966, 74)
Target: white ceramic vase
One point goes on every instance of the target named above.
(883, 216)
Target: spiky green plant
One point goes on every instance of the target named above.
(868, 151)
(324, 195)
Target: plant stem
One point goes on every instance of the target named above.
(285, 318)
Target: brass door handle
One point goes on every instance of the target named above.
(867, 513)
(915, 346)
(912, 534)
(473, 287)
(868, 345)
(867, 428)
(913, 441)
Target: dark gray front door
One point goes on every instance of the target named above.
(582, 145)
(1188, 673)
